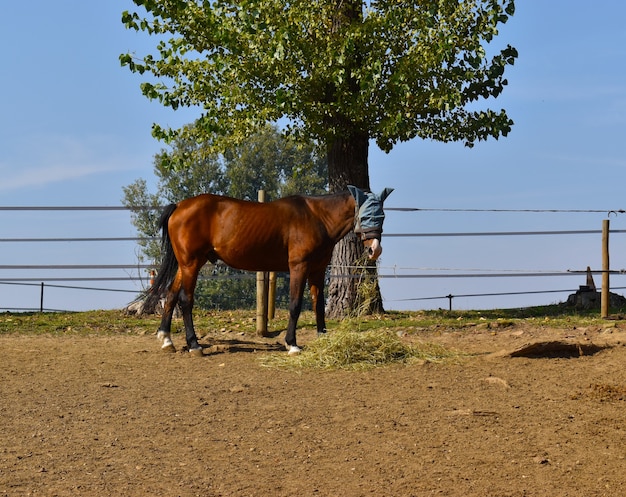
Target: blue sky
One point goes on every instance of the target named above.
(75, 129)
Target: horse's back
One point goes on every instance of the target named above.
(246, 235)
(276, 213)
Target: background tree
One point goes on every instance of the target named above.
(266, 160)
(342, 72)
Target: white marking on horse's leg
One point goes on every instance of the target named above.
(293, 350)
(167, 345)
(198, 352)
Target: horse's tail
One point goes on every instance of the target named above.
(169, 263)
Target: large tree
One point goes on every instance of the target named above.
(343, 72)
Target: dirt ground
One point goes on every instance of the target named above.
(112, 415)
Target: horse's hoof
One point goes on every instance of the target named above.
(293, 350)
(196, 352)
(166, 345)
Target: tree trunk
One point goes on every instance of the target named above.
(351, 290)
(347, 165)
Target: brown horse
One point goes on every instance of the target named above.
(295, 234)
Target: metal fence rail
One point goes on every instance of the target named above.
(42, 277)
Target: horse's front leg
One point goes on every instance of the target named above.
(297, 278)
(316, 285)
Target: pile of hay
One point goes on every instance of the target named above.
(344, 349)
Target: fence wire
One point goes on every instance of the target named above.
(436, 273)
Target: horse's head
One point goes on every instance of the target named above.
(369, 218)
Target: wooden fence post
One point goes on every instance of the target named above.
(262, 282)
(271, 297)
(605, 295)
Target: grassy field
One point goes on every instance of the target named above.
(243, 321)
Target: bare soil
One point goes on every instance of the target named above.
(113, 415)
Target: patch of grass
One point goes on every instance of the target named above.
(557, 315)
(353, 350)
(115, 321)
(82, 323)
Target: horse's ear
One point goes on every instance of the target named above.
(385, 193)
(359, 195)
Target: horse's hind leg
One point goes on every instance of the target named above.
(171, 299)
(180, 292)
(189, 276)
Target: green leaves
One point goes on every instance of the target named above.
(396, 69)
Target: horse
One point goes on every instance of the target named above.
(295, 234)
